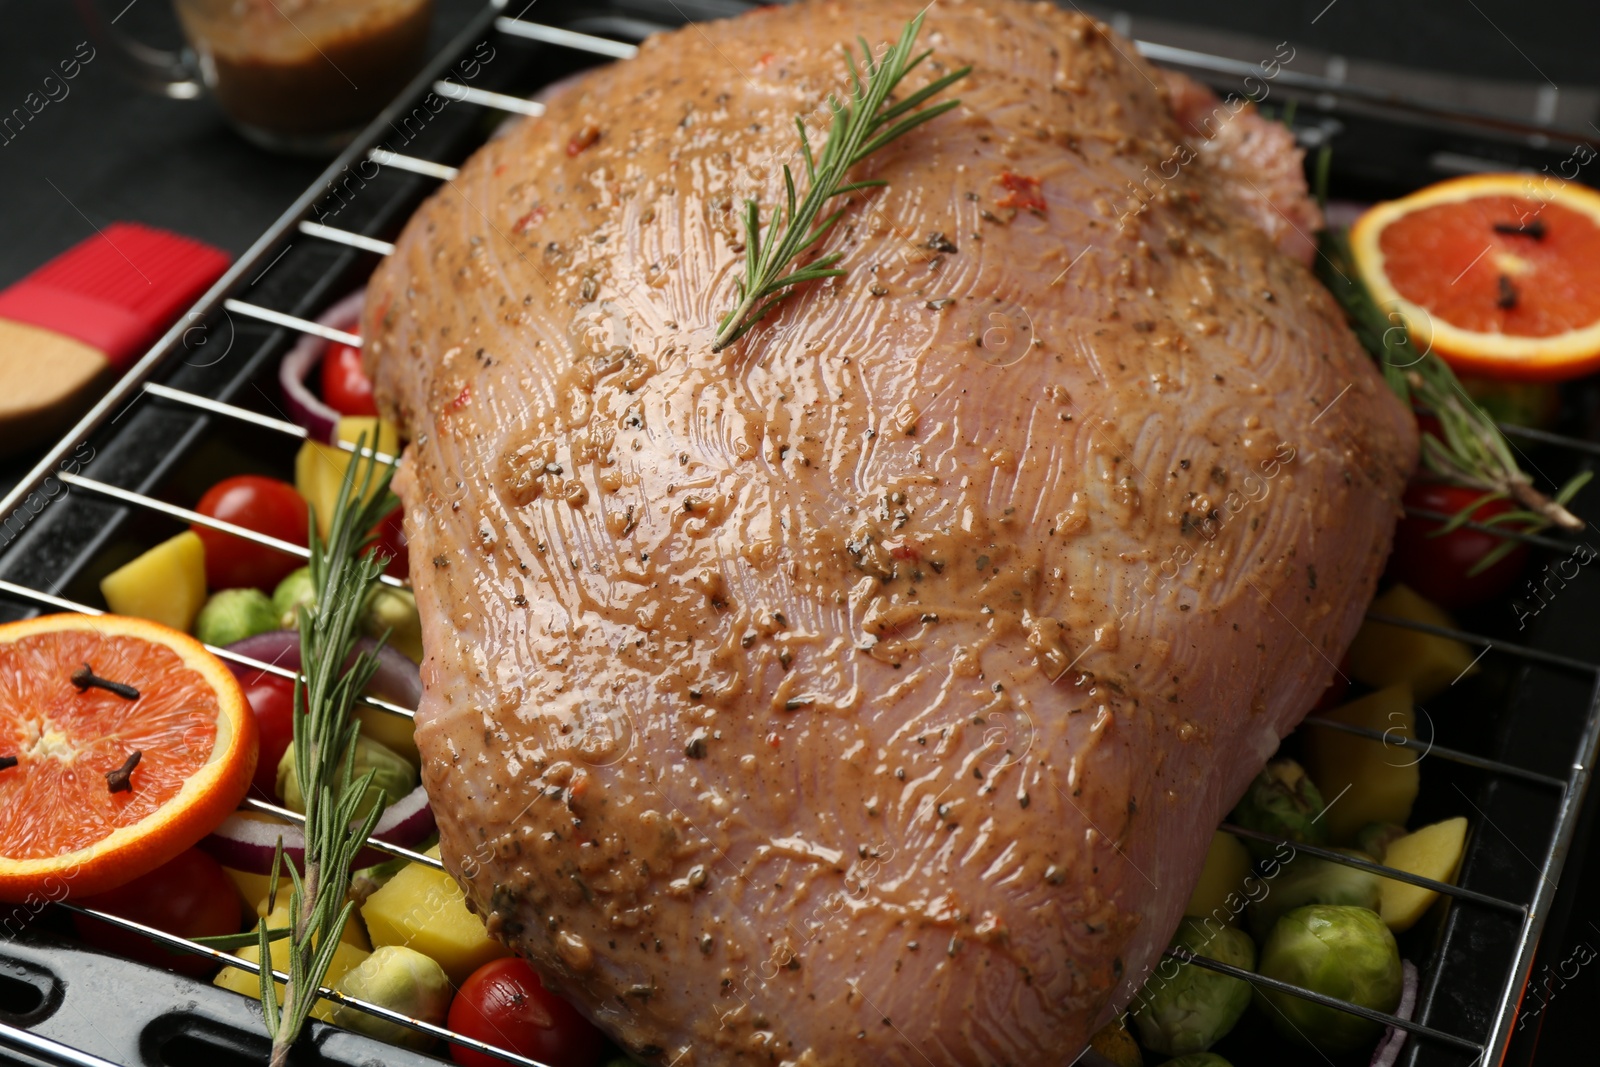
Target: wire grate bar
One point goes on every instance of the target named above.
(581, 42)
(278, 318)
(217, 407)
(45, 1049)
(50, 600)
(128, 496)
(1184, 57)
(1428, 748)
(345, 237)
(372, 842)
(1501, 532)
(1421, 1030)
(194, 400)
(1510, 647)
(183, 944)
(1398, 875)
(485, 98)
(1566, 825)
(425, 167)
(22, 592)
(1545, 437)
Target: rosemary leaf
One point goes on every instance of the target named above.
(860, 127)
(1473, 452)
(342, 572)
(234, 942)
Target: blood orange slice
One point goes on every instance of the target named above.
(79, 813)
(1498, 273)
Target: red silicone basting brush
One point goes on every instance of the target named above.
(69, 328)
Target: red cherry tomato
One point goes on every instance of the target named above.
(1437, 567)
(264, 505)
(390, 537)
(191, 896)
(271, 698)
(345, 386)
(505, 1004)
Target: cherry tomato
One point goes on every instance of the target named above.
(345, 386)
(271, 698)
(1437, 567)
(264, 505)
(191, 896)
(503, 1003)
(390, 537)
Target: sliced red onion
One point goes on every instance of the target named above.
(294, 373)
(1387, 1054)
(398, 680)
(248, 844)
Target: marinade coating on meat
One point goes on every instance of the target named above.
(866, 692)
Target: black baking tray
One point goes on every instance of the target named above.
(1533, 713)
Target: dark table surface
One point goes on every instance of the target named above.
(106, 152)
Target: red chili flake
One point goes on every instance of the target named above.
(901, 550)
(583, 139)
(765, 60)
(532, 218)
(462, 399)
(499, 169)
(774, 740)
(1021, 192)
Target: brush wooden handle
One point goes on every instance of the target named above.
(46, 379)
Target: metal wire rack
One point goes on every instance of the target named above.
(1522, 916)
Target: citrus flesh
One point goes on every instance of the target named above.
(62, 824)
(1498, 274)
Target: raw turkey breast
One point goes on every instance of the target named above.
(867, 692)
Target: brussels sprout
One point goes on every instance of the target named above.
(386, 611)
(233, 615)
(1339, 951)
(1198, 1059)
(394, 612)
(292, 593)
(402, 980)
(1375, 838)
(1195, 1007)
(1313, 880)
(1282, 801)
(393, 776)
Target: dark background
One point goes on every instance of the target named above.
(109, 152)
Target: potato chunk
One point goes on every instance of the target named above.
(423, 909)
(1227, 864)
(319, 469)
(1383, 654)
(345, 959)
(1432, 852)
(167, 584)
(1362, 780)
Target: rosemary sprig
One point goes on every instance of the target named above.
(342, 572)
(1472, 452)
(860, 127)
